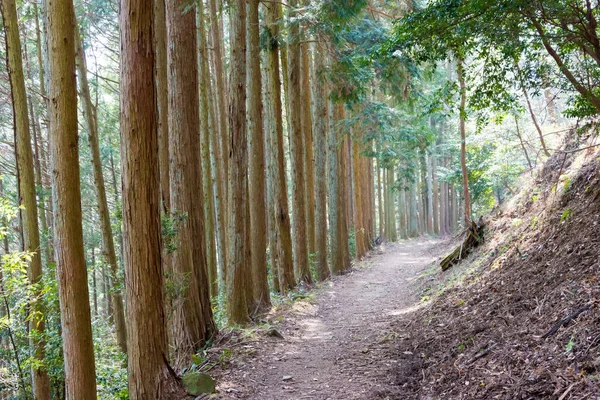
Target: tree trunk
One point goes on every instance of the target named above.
(108, 243)
(205, 129)
(26, 187)
(80, 372)
(193, 321)
(162, 105)
(343, 190)
(237, 306)
(429, 182)
(380, 205)
(221, 137)
(277, 156)
(523, 144)
(297, 147)
(337, 260)
(463, 141)
(257, 184)
(436, 195)
(307, 127)
(359, 230)
(150, 376)
(321, 128)
(413, 226)
(402, 220)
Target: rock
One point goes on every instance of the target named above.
(287, 378)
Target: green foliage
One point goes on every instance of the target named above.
(566, 215)
(170, 228)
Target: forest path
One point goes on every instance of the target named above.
(335, 346)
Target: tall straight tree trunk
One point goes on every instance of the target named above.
(343, 190)
(193, 321)
(307, 127)
(413, 227)
(150, 376)
(257, 184)
(297, 147)
(463, 141)
(380, 205)
(359, 230)
(436, 196)
(321, 128)
(237, 306)
(205, 129)
(402, 212)
(277, 156)
(393, 232)
(27, 195)
(429, 184)
(337, 257)
(80, 371)
(454, 205)
(108, 243)
(221, 136)
(162, 104)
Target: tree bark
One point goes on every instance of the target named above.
(307, 127)
(26, 188)
(321, 127)
(237, 306)
(297, 147)
(337, 258)
(463, 141)
(150, 376)
(257, 184)
(89, 114)
(359, 230)
(206, 129)
(380, 204)
(80, 372)
(276, 154)
(221, 137)
(193, 321)
(402, 212)
(523, 144)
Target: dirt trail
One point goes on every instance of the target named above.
(335, 346)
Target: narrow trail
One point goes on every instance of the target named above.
(335, 347)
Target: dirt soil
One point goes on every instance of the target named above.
(336, 345)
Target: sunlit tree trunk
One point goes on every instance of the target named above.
(27, 195)
(150, 376)
(321, 127)
(276, 154)
(297, 148)
(436, 195)
(89, 114)
(413, 225)
(221, 136)
(359, 230)
(193, 321)
(336, 253)
(343, 189)
(402, 220)
(393, 232)
(237, 306)
(257, 184)
(80, 372)
(463, 141)
(380, 204)
(206, 130)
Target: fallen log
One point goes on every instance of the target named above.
(473, 237)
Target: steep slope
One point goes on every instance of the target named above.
(524, 321)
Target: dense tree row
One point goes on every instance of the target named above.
(233, 154)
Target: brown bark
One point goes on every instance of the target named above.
(192, 319)
(336, 264)
(78, 347)
(297, 147)
(26, 187)
(307, 127)
(237, 305)
(162, 102)
(150, 376)
(344, 182)
(321, 127)
(436, 195)
(522, 144)
(380, 204)
(257, 177)
(463, 140)
(89, 114)
(207, 129)
(221, 136)
(359, 229)
(276, 154)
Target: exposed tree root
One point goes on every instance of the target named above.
(474, 236)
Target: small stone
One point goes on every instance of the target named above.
(287, 378)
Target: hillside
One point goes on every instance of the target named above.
(519, 318)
